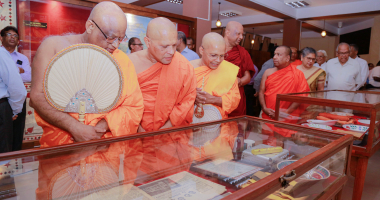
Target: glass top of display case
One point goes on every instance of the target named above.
(362, 97)
(207, 161)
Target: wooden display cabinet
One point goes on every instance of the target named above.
(362, 106)
(202, 161)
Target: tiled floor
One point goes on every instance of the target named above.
(372, 181)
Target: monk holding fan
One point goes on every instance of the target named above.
(119, 110)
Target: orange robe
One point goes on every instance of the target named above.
(240, 57)
(223, 84)
(123, 120)
(124, 156)
(169, 93)
(230, 93)
(296, 63)
(287, 80)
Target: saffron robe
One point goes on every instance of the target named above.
(241, 58)
(221, 82)
(296, 63)
(123, 120)
(105, 166)
(169, 93)
(287, 80)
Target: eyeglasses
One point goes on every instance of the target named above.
(343, 53)
(10, 35)
(138, 44)
(310, 59)
(109, 39)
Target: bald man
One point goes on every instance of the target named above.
(220, 82)
(106, 28)
(239, 56)
(283, 78)
(293, 58)
(168, 87)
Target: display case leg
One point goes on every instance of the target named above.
(361, 170)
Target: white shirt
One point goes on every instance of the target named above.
(375, 72)
(364, 71)
(11, 85)
(323, 66)
(23, 62)
(189, 54)
(343, 77)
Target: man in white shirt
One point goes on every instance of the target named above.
(374, 79)
(343, 72)
(321, 59)
(12, 98)
(10, 40)
(363, 64)
(183, 49)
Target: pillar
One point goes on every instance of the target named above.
(200, 9)
(292, 33)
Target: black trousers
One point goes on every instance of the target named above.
(253, 105)
(18, 129)
(6, 127)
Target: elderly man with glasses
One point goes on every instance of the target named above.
(343, 72)
(105, 28)
(10, 40)
(134, 44)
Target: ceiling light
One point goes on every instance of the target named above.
(323, 34)
(340, 24)
(296, 4)
(218, 23)
(230, 13)
(175, 1)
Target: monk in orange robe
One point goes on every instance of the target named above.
(240, 57)
(220, 82)
(220, 89)
(63, 128)
(293, 59)
(168, 87)
(283, 78)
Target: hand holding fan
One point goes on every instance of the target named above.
(83, 78)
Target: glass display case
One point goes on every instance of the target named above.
(343, 112)
(237, 158)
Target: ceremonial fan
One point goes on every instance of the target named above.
(205, 113)
(83, 78)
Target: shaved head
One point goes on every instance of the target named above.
(234, 33)
(111, 20)
(294, 54)
(161, 39)
(212, 50)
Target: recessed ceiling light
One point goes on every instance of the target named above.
(175, 1)
(230, 13)
(296, 4)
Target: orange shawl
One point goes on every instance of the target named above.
(223, 83)
(287, 80)
(169, 93)
(123, 120)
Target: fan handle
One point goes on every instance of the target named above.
(82, 110)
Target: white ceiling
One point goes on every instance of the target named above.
(126, 1)
(225, 5)
(315, 3)
(317, 8)
(167, 7)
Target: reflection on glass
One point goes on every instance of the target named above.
(203, 163)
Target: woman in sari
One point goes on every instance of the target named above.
(315, 76)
